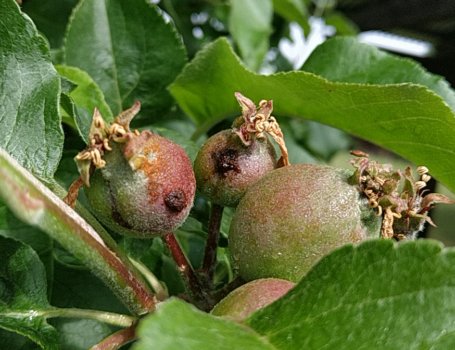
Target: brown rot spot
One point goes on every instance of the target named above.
(226, 160)
(175, 200)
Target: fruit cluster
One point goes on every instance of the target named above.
(287, 217)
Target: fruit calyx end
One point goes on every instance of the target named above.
(257, 122)
(401, 200)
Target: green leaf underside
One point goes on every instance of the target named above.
(379, 295)
(408, 119)
(23, 292)
(177, 324)
(30, 89)
(344, 59)
(250, 23)
(128, 50)
(36, 205)
(86, 96)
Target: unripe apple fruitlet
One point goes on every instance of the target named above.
(297, 214)
(232, 160)
(144, 183)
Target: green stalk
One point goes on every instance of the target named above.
(111, 318)
(36, 205)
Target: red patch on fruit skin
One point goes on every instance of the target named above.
(250, 297)
(171, 185)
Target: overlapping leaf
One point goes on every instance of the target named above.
(250, 24)
(86, 95)
(379, 295)
(23, 294)
(406, 118)
(29, 94)
(128, 49)
(376, 296)
(177, 324)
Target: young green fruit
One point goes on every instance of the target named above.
(293, 217)
(252, 296)
(232, 160)
(145, 183)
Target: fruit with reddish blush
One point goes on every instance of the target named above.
(294, 216)
(147, 186)
(137, 183)
(225, 167)
(297, 214)
(252, 296)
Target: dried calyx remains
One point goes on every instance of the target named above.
(396, 195)
(257, 123)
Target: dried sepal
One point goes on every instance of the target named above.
(101, 135)
(397, 196)
(434, 198)
(258, 123)
(124, 118)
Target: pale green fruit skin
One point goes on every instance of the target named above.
(293, 217)
(252, 296)
(252, 162)
(134, 202)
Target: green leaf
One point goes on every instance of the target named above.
(344, 59)
(11, 227)
(293, 11)
(86, 96)
(379, 295)
(29, 117)
(23, 293)
(51, 17)
(408, 119)
(343, 25)
(177, 324)
(128, 50)
(250, 23)
(16, 341)
(80, 289)
(36, 205)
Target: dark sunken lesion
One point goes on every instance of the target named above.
(175, 200)
(226, 161)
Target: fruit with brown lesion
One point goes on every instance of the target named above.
(143, 185)
(232, 160)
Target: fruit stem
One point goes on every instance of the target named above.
(117, 339)
(200, 297)
(73, 192)
(209, 262)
